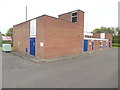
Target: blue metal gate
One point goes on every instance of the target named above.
(92, 45)
(85, 45)
(101, 44)
(107, 45)
(32, 46)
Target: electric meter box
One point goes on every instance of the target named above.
(6, 47)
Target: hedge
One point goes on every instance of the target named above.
(116, 39)
(4, 42)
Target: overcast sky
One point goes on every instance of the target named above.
(97, 12)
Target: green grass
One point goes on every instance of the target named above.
(116, 45)
(0, 48)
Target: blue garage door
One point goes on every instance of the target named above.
(32, 46)
(85, 45)
(92, 45)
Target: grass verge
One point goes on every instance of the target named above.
(116, 45)
(0, 48)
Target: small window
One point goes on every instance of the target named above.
(74, 14)
(74, 19)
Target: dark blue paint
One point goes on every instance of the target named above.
(32, 46)
(100, 46)
(26, 50)
(92, 45)
(85, 45)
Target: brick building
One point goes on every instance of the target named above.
(49, 37)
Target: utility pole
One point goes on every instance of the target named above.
(26, 13)
(119, 14)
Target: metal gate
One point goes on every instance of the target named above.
(101, 44)
(92, 45)
(33, 46)
(107, 44)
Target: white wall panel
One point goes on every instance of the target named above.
(33, 27)
(102, 35)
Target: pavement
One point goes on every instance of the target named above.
(90, 70)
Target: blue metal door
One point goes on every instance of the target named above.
(92, 45)
(85, 45)
(32, 46)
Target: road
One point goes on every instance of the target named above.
(95, 70)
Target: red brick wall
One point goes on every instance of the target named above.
(109, 36)
(66, 17)
(59, 36)
(104, 44)
(96, 35)
(21, 34)
(96, 44)
(80, 19)
(40, 27)
(62, 38)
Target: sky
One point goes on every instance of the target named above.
(97, 12)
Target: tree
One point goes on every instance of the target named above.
(116, 30)
(104, 30)
(9, 32)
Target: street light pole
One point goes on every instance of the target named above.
(26, 13)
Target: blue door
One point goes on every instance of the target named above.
(85, 45)
(32, 46)
(92, 45)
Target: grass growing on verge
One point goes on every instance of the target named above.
(116, 45)
(0, 48)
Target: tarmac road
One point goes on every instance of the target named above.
(95, 70)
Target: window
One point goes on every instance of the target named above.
(74, 14)
(74, 17)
